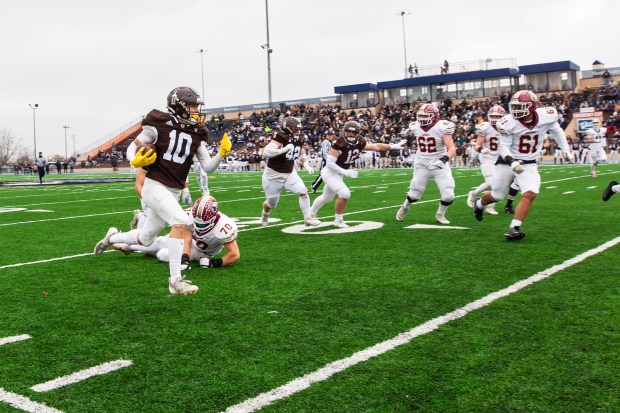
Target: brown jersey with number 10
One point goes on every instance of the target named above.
(176, 146)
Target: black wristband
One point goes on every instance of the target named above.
(444, 158)
(479, 149)
(508, 159)
(215, 262)
(184, 258)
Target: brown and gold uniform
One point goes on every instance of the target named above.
(349, 152)
(285, 163)
(175, 146)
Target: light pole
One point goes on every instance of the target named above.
(269, 50)
(402, 14)
(202, 70)
(74, 146)
(66, 127)
(34, 126)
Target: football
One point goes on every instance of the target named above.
(146, 146)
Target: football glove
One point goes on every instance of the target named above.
(289, 147)
(399, 145)
(185, 263)
(225, 145)
(485, 150)
(211, 262)
(143, 159)
(308, 168)
(516, 167)
(438, 164)
(352, 173)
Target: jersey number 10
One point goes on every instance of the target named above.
(180, 145)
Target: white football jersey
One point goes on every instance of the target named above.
(430, 141)
(491, 138)
(211, 243)
(597, 138)
(524, 141)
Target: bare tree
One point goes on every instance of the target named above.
(9, 146)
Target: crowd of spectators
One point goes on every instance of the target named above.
(249, 133)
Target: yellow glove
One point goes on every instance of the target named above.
(143, 159)
(225, 146)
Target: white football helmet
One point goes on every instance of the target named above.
(427, 114)
(522, 104)
(495, 113)
(206, 213)
(596, 124)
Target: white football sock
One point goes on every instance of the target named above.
(175, 248)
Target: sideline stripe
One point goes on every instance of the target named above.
(13, 339)
(24, 403)
(82, 375)
(330, 369)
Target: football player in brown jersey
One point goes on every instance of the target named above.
(177, 136)
(342, 155)
(281, 153)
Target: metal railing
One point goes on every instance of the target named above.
(467, 66)
(109, 136)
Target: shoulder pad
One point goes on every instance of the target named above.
(547, 114)
(340, 144)
(447, 126)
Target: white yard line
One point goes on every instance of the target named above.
(101, 369)
(324, 373)
(65, 218)
(13, 339)
(21, 264)
(24, 403)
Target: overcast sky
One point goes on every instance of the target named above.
(96, 65)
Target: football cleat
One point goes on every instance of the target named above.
(608, 192)
(441, 219)
(401, 213)
(104, 244)
(182, 287)
(513, 234)
(122, 247)
(311, 221)
(478, 211)
(471, 198)
(136, 217)
(509, 209)
(264, 220)
(341, 224)
(491, 210)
